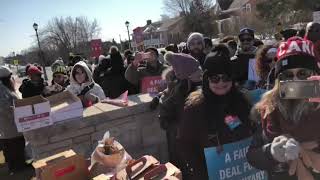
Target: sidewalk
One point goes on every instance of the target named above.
(27, 174)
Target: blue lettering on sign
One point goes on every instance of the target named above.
(231, 163)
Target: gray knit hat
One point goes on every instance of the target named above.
(195, 36)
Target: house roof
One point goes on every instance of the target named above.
(238, 4)
(170, 22)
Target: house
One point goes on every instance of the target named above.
(158, 34)
(240, 13)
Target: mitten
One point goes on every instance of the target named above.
(292, 149)
(277, 149)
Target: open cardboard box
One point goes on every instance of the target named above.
(32, 113)
(65, 105)
(66, 165)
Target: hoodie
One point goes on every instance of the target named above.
(76, 88)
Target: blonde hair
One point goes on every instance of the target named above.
(269, 100)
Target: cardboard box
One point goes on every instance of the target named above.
(65, 105)
(66, 165)
(32, 113)
(103, 177)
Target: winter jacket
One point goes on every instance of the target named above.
(135, 74)
(240, 64)
(273, 125)
(172, 103)
(202, 125)
(8, 128)
(29, 89)
(111, 78)
(77, 88)
(200, 57)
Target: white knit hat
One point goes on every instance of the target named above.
(5, 72)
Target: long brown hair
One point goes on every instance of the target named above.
(262, 66)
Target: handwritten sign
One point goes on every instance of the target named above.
(151, 84)
(231, 163)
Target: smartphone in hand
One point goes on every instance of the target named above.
(299, 89)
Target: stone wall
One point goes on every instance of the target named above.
(135, 127)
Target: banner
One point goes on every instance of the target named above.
(151, 84)
(231, 163)
(96, 48)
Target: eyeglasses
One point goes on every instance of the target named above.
(302, 74)
(217, 78)
(246, 39)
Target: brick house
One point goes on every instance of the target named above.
(158, 34)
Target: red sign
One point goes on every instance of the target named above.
(151, 84)
(96, 48)
(138, 35)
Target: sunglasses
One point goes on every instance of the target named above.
(302, 74)
(246, 39)
(217, 78)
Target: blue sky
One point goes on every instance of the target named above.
(18, 16)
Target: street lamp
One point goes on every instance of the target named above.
(127, 24)
(35, 27)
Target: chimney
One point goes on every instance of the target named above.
(149, 22)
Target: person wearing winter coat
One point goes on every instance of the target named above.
(141, 68)
(12, 141)
(187, 77)
(203, 120)
(287, 144)
(34, 85)
(111, 76)
(196, 46)
(59, 82)
(244, 58)
(83, 85)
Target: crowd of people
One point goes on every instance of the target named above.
(206, 85)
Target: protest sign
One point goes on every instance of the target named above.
(231, 163)
(151, 84)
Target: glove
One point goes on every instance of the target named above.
(277, 149)
(292, 149)
(154, 103)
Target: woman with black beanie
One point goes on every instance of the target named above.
(203, 121)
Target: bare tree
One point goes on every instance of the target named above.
(66, 35)
(182, 7)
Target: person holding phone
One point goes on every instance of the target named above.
(286, 124)
(144, 64)
(209, 114)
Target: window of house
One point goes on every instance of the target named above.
(248, 7)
